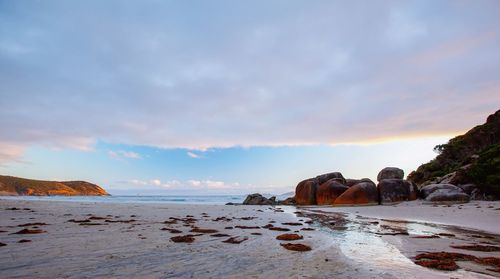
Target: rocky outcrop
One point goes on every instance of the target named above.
(472, 158)
(448, 195)
(288, 201)
(305, 192)
(444, 192)
(396, 190)
(15, 186)
(390, 173)
(351, 182)
(363, 193)
(328, 176)
(258, 199)
(329, 191)
(429, 189)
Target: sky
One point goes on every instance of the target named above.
(233, 97)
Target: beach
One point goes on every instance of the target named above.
(110, 240)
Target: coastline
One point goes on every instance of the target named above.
(142, 249)
(475, 215)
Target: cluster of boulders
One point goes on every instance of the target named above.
(454, 183)
(258, 199)
(334, 189)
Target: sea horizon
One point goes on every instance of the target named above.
(165, 199)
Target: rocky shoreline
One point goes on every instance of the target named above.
(334, 190)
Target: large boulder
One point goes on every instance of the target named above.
(305, 192)
(448, 195)
(329, 191)
(327, 176)
(258, 199)
(363, 193)
(428, 189)
(390, 173)
(467, 188)
(394, 190)
(351, 182)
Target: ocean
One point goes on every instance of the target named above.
(212, 199)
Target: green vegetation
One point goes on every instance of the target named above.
(475, 155)
(485, 172)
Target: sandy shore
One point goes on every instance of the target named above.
(475, 215)
(129, 241)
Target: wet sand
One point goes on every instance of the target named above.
(109, 240)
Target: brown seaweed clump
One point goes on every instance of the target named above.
(476, 247)
(183, 238)
(198, 230)
(28, 231)
(235, 240)
(289, 236)
(296, 247)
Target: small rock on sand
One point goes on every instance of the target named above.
(296, 247)
(219, 235)
(235, 240)
(198, 230)
(183, 238)
(289, 236)
(28, 231)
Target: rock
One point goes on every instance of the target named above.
(389, 173)
(296, 247)
(258, 199)
(363, 193)
(305, 192)
(395, 190)
(235, 240)
(288, 201)
(448, 195)
(220, 235)
(198, 230)
(28, 231)
(474, 156)
(447, 179)
(428, 189)
(289, 236)
(329, 191)
(327, 176)
(182, 238)
(351, 182)
(467, 188)
(477, 194)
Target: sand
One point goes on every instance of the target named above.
(476, 215)
(140, 249)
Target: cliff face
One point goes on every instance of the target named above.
(470, 158)
(14, 186)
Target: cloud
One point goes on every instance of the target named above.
(193, 155)
(121, 154)
(10, 152)
(188, 184)
(299, 73)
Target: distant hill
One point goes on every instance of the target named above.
(473, 157)
(15, 186)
